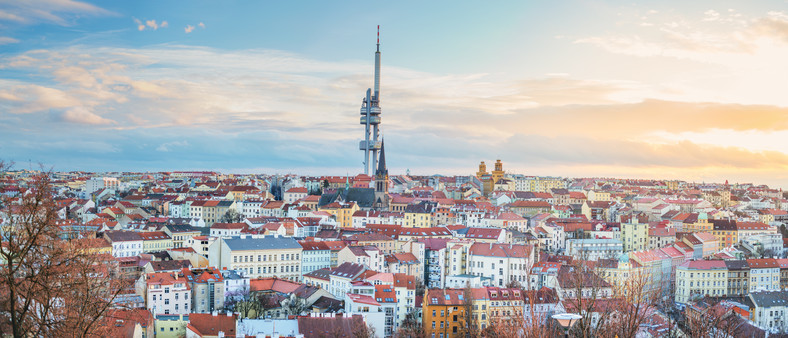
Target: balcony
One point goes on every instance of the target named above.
(373, 145)
(373, 110)
(372, 119)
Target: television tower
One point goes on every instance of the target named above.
(370, 118)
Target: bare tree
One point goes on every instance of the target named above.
(411, 327)
(48, 286)
(469, 326)
(586, 294)
(294, 305)
(709, 318)
(231, 216)
(635, 301)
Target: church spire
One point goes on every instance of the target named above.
(382, 170)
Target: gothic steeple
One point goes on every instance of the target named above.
(382, 181)
(382, 170)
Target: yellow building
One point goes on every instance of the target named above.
(492, 304)
(598, 195)
(171, 326)
(702, 225)
(343, 212)
(417, 219)
(701, 278)
(726, 232)
(96, 245)
(634, 235)
(156, 241)
(618, 271)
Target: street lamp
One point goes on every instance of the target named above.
(566, 320)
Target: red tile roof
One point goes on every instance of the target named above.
(501, 250)
(206, 324)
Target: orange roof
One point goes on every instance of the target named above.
(385, 294)
(206, 324)
(274, 284)
(166, 278)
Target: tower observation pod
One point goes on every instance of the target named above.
(370, 118)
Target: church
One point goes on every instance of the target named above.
(489, 179)
(373, 198)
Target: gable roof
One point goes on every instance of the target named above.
(206, 324)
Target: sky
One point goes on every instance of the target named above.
(670, 89)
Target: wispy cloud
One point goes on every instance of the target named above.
(60, 12)
(715, 37)
(167, 147)
(4, 40)
(82, 115)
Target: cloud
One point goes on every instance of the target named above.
(140, 25)
(35, 98)
(302, 112)
(166, 147)
(60, 12)
(82, 115)
(190, 28)
(4, 40)
(150, 24)
(715, 38)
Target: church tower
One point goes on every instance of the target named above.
(382, 182)
(482, 170)
(498, 173)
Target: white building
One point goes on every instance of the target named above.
(770, 310)
(315, 256)
(341, 278)
(97, 183)
(124, 243)
(166, 293)
(764, 274)
(502, 263)
(594, 249)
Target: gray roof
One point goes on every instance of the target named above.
(261, 243)
(122, 236)
(364, 197)
(737, 265)
(769, 298)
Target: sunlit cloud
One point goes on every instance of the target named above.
(286, 110)
(60, 12)
(82, 115)
(150, 24)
